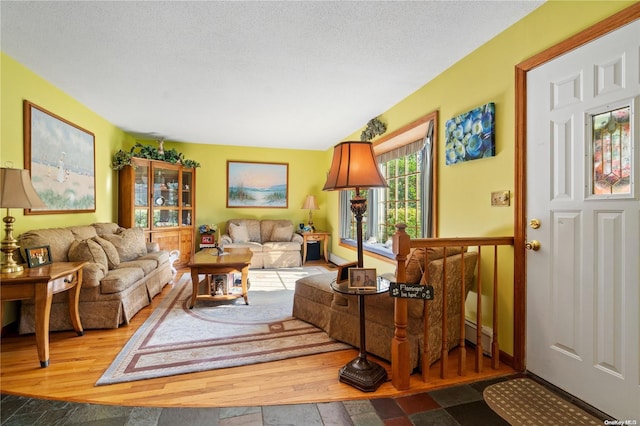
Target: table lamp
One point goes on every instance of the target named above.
(354, 167)
(16, 191)
(310, 203)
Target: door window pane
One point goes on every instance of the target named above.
(611, 150)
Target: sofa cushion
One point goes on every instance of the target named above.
(83, 232)
(281, 246)
(253, 227)
(239, 233)
(267, 226)
(118, 280)
(113, 258)
(129, 242)
(282, 233)
(147, 265)
(160, 257)
(58, 239)
(317, 288)
(106, 228)
(87, 250)
(254, 247)
(415, 260)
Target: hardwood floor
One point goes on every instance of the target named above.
(76, 363)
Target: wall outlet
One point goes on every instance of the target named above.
(500, 198)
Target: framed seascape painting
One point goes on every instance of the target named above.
(257, 184)
(471, 136)
(61, 158)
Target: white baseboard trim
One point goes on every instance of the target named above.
(470, 334)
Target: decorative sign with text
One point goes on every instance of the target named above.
(411, 291)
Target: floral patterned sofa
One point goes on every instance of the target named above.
(123, 275)
(315, 302)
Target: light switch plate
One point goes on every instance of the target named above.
(500, 198)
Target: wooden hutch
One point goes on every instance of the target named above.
(159, 197)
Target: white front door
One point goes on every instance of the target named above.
(583, 299)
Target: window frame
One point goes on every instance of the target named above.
(405, 135)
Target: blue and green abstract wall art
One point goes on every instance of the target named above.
(471, 136)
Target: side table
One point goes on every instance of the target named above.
(41, 284)
(360, 372)
(315, 236)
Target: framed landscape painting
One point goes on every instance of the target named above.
(61, 158)
(257, 184)
(471, 136)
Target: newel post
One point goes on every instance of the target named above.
(400, 365)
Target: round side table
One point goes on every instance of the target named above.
(360, 372)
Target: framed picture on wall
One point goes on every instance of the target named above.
(61, 158)
(257, 184)
(471, 136)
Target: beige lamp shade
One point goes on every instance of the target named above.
(354, 166)
(310, 203)
(16, 190)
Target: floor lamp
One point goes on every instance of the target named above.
(354, 167)
(16, 191)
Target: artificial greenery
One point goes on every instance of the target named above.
(121, 159)
(374, 128)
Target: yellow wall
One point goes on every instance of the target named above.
(18, 83)
(486, 75)
(211, 178)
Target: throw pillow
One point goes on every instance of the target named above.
(238, 233)
(129, 242)
(282, 233)
(414, 268)
(87, 251)
(415, 261)
(113, 258)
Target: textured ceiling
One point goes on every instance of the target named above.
(266, 74)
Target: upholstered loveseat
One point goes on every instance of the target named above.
(274, 243)
(337, 314)
(123, 275)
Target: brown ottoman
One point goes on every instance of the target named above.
(312, 299)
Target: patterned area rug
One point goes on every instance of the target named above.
(525, 402)
(212, 335)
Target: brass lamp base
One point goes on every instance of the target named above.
(8, 246)
(363, 374)
(9, 269)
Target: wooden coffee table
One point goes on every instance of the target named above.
(207, 262)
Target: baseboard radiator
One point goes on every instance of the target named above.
(470, 335)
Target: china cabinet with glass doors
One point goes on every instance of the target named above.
(159, 197)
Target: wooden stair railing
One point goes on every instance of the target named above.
(402, 245)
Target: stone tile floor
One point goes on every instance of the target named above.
(457, 405)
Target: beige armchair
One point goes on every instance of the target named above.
(338, 314)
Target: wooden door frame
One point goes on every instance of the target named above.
(606, 26)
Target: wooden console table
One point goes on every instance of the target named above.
(315, 236)
(41, 284)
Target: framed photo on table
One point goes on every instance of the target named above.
(38, 256)
(363, 278)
